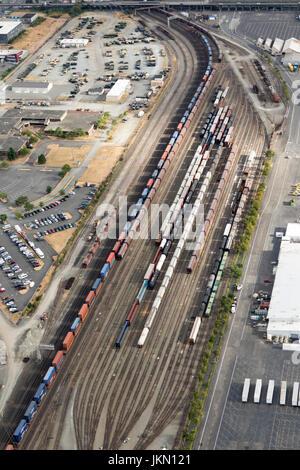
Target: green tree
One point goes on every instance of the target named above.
(21, 201)
(4, 164)
(41, 159)
(3, 218)
(11, 154)
(62, 192)
(28, 206)
(41, 204)
(3, 195)
(18, 214)
(48, 189)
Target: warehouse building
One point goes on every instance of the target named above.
(29, 18)
(284, 310)
(9, 30)
(277, 46)
(11, 55)
(121, 87)
(31, 87)
(291, 51)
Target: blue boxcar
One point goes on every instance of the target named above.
(127, 227)
(39, 394)
(30, 412)
(104, 271)
(49, 375)
(154, 174)
(172, 141)
(20, 430)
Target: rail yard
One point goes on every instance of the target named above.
(129, 338)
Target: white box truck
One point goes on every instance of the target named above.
(270, 391)
(246, 388)
(257, 391)
(283, 393)
(295, 394)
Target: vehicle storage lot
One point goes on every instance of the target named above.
(73, 71)
(70, 207)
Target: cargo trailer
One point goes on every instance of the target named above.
(257, 390)
(295, 394)
(246, 389)
(283, 393)
(270, 392)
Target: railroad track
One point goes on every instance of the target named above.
(111, 389)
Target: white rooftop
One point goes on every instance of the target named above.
(119, 87)
(291, 45)
(74, 41)
(7, 26)
(284, 310)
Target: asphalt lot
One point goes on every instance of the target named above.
(70, 207)
(281, 25)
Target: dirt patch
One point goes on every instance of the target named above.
(58, 156)
(36, 35)
(102, 164)
(59, 240)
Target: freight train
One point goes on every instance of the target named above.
(119, 250)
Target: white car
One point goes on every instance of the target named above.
(239, 287)
(22, 276)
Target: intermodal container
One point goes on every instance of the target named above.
(58, 359)
(49, 376)
(83, 312)
(20, 430)
(76, 326)
(111, 258)
(30, 412)
(104, 270)
(97, 285)
(39, 394)
(67, 342)
(90, 298)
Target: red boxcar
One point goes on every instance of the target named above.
(67, 342)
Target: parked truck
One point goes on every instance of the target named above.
(283, 393)
(295, 394)
(246, 389)
(270, 392)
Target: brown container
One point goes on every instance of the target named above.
(83, 312)
(68, 341)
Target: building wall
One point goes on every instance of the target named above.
(5, 38)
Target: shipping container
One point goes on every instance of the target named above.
(58, 359)
(90, 298)
(67, 342)
(30, 412)
(20, 430)
(195, 329)
(97, 285)
(83, 312)
(76, 326)
(49, 376)
(40, 393)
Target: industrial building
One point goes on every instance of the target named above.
(11, 55)
(9, 30)
(121, 87)
(284, 312)
(31, 87)
(291, 51)
(29, 18)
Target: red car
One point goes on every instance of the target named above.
(5, 298)
(267, 281)
(2, 289)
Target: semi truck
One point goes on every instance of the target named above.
(270, 392)
(283, 393)
(295, 394)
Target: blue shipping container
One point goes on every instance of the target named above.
(31, 410)
(20, 430)
(96, 284)
(49, 375)
(104, 271)
(75, 324)
(39, 394)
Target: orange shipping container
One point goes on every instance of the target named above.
(68, 341)
(57, 359)
(83, 312)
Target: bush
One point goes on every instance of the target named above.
(41, 159)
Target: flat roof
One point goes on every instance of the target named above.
(74, 41)
(16, 142)
(119, 87)
(7, 26)
(30, 84)
(284, 309)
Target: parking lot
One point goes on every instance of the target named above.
(25, 255)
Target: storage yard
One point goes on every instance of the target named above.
(133, 313)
